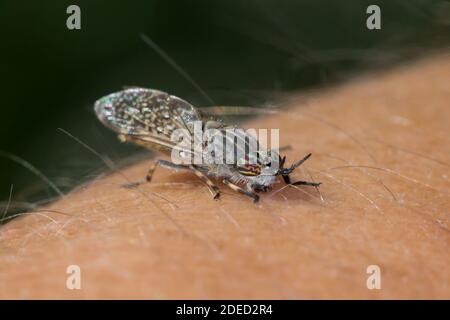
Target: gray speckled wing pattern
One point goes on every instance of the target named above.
(140, 111)
(145, 116)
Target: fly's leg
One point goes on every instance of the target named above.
(246, 192)
(151, 171)
(306, 183)
(211, 186)
(286, 171)
(170, 165)
(164, 164)
(287, 180)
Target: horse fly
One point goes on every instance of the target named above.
(149, 117)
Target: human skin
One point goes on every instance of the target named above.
(381, 148)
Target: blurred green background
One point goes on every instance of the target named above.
(239, 52)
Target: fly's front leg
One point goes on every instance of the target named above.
(306, 183)
(287, 180)
(211, 186)
(248, 193)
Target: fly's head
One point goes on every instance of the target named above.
(263, 172)
(285, 172)
(260, 169)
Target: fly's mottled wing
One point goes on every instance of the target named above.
(146, 116)
(139, 110)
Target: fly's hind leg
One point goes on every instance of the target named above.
(246, 192)
(211, 186)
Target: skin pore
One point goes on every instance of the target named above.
(381, 148)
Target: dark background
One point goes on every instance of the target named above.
(239, 52)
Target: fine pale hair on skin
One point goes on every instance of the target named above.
(381, 149)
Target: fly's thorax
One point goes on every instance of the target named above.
(234, 145)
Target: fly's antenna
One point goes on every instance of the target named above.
(287, 171)
(174, 65)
